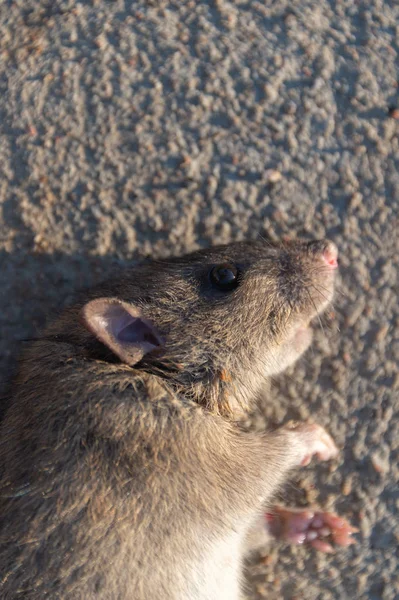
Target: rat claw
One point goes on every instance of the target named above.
(333, 520)
(322, 546)
(339, 527)
(306, 461)
(344, 541)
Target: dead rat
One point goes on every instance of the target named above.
(124, 474)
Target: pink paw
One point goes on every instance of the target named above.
(313, 440)
(316, 528)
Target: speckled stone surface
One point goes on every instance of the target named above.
(132, 128)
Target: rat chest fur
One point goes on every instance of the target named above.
(127, 478)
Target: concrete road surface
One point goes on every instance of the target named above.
(132, 128)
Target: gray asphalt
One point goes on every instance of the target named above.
(133, 128)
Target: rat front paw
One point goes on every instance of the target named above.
(312, 439)
(321, 530)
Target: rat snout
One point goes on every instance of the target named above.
(307, 274)
(300, 258)
(327, 251)
(330, 255)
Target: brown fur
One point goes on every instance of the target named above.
(117, 480)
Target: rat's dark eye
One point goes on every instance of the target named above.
(224, 277)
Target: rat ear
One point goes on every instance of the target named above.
(121, 328)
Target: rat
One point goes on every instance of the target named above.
(124, 471)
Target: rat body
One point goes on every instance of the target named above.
(124, 475)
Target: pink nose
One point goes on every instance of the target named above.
(330, 255)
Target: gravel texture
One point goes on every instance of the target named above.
(132, 128)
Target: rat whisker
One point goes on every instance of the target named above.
(317, 313)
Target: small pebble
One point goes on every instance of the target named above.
(273, 176)
(381, 333)
(380, 462)
(347, 486)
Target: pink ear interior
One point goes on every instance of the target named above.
(137, 331)
(121, 327)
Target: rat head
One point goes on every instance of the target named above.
(217, 322)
